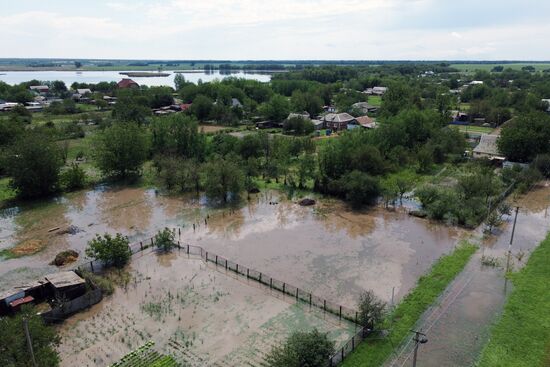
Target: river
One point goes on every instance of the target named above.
(69, 77)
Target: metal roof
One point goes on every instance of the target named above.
(64, 279)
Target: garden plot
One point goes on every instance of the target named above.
(193, 311)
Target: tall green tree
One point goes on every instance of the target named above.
(33, 162)
(14, 351)
(121, 149)
(525, 137)
(224, 178)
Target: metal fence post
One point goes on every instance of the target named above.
(225, 264)
(270, 283)
(260, 277)
(284, 285)
(310, 300)
(152, 241)
(92, 266)
(340, 312)
(247, 273)
(206, 256)
(141, 245)
(187, 249)
(356, 317)
(352, 342)
(237, 271)
(325, 305)
(342, 353)
(297, 289)
(216, 259)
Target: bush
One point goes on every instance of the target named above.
(360, 189)
(73, 178)
(302, 349)
(371, 310)
(165, 240)
(110, 250)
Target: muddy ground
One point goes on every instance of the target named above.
(196, 312)
(326, 249)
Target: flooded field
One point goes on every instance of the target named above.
(199, 314)
(326, 249)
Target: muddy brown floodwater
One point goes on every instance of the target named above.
(326, 249)
(197, 313)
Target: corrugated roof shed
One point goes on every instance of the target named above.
(487, 145)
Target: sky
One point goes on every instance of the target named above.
(276, 29)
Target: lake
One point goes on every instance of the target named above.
(69, 77)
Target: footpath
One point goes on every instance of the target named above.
(457, 325)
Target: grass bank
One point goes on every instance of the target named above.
(522, 335)
(373, 352)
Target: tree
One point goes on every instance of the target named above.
(302, 349)
(542, 163)
(525, 137)
(276, 109)
(201, 107)
(14, 351)
(73, 178)
(179, 81)
(223, 178)
(33, 162)
(360, 189)
(178, 134)
(165, 240)
(120, 149)
(110, 250)
(298, 126)
(77, 64)
(371, 310)
(131, 109)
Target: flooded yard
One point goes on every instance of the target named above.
(326, 249)
(197, 313)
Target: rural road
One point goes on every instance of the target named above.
(458, 324)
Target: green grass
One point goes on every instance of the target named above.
(522, 335)
(375, 100)
(6, 192)
(374, 352)
(473, 129)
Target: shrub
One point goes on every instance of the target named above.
(73, 178)
(371, 310)
(110, 250)
(302, 349)
(165, 240)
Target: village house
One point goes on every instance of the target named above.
(40, 89)
(304, 115)
(127, 83)
(364, 107)
(547, 101)
(376, 91)
(488, 148)
(338, 121)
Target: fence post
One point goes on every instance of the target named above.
(340, 312)
(325, 305)
(206, 256)
(247, 273)
(297, 289)
(284, 285)
(356, 317)
(216, 259)
(92, 266)
(310, 300)
(141, 245)
(352, 342)
(152, 241)
(179, 231)
(260, 277)
(179, 245)
(342, 353)
(270, 283)
(187, 249)
(237, 269)
(225, 264)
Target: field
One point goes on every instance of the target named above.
(192, 311)
(525, 315)
(489, 67)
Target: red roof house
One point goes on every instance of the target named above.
(127, 83)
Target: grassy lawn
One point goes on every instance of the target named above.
(374, 352)
(522, 335)
(473, 129)
(375, 100)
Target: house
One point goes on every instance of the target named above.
(304, 115)
(547, 101)
(329, 109)
(364, 107)
(338, 121)
(236, 103)
(268, 124)
(127, 83)
(40, 89)
(366, 122)
(8, 106)
(460, 118)
(318, 124)
(83, 91)
(376, 91)
(487, 148)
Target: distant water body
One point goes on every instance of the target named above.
(69, 77)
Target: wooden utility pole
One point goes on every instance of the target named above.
(511, 240)
(29, 341)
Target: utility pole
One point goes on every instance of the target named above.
(510, 249)
(419, 338)
(29, 342)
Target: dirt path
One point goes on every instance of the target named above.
(457, 325)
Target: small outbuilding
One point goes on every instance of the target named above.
(488, 148)
(127, 83)
(66, 284)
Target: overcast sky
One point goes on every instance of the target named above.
(277, 29)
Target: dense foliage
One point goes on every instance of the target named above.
(302, 349)
(110, 250)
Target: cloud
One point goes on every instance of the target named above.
(456, 35)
